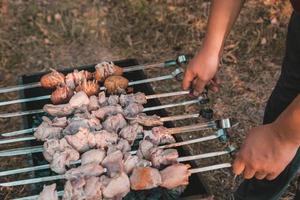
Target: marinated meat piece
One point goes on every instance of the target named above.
(93, 156)
(49, 193)
(87, 170)
(94, 124)
(104, 138)
(145, 178)
(139, 98)
(122, 145)
(170, 181)
(118, 187)
(114, 123)
(133, 109)
(61, 159)
(159, 135)
(144, 149)
(113, 100)
(61, 95)
(114, 163)
(53, 145)
(46, 131)
(130, 162)
(82, 141)
(94, 103)
(92, 188)
(52, 79)
(116, 84)
(105, 111)
(75, 124)
(144, 163)
(161, 157)
(79, 99)
(130, 132)
(106, 69)
(146, 120)
(61, 110)
(102, 99)
(88, 87)
(76, 77)
(74, 189)
(59, 122)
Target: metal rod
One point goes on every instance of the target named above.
(35, 197)
(19, 87)
(19, 132)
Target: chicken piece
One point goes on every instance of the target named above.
(133, 109)
(106, 69)
(144, 149)
(75, 124)
(79, 99)
(114, 163)
(170, 181)
(145, 178)
(159, 135)
(45, 131)
(118, 187)
(113, 100)
(93, 156)
(146, 120)
(114, 123)
(82, 141)
(122, 145)
(130, 132)
(74, 190)
(94, 103)
(92, 188)
(61, 122)
(105, 111)
(130, 162)
(94, 123)
(49, 193)
(53, 145)
(161, 157)
(116, 84)
(102, 99)
(87, 170)
(88, 87)
(61, 159)
(104, 138)
(61, 95)
(139, 98)
(61, 110)
(76, 77)
(52, 79)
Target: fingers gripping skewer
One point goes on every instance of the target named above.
(178, 144)
(174, 74)
(182, 59)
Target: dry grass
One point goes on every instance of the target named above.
(36, 35)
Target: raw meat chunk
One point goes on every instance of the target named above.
(145, 178)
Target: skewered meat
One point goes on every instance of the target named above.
(94, 103)
(104, 138)
(113, 100)
(133, 109)
(114, 163)
(116, 84)
(132, 161)
(53, 145)
(145, 178)
(118, 187)
(122, 145)
(91, 123)
(93, 156)
(88, 87)
(58, 110)
(49, 193)
(92, 188)
(130, 132)
(146, 120)
(79, 99)
(62, 94)
(58, 122)
(102, 99)
(161, 157)
(159, 135)
(76, 77)
(105, 111)
(82, 141)
(106, 69)
(126, 99)
(46, 131)
(114, 123)
(87, 170)
(52, 79)
(144, 149)
(61, 159)
(170, 181)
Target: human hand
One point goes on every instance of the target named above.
(201, 71)
(264, 154)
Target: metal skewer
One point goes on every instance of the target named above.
(218, 134)
(182, 59)
(175, 73)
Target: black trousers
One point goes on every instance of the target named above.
(285, 91)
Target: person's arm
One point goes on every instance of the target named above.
(268, 149)
(203, 67)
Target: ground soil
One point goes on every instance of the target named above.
(38, 35)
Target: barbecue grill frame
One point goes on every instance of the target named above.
(27, 120)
